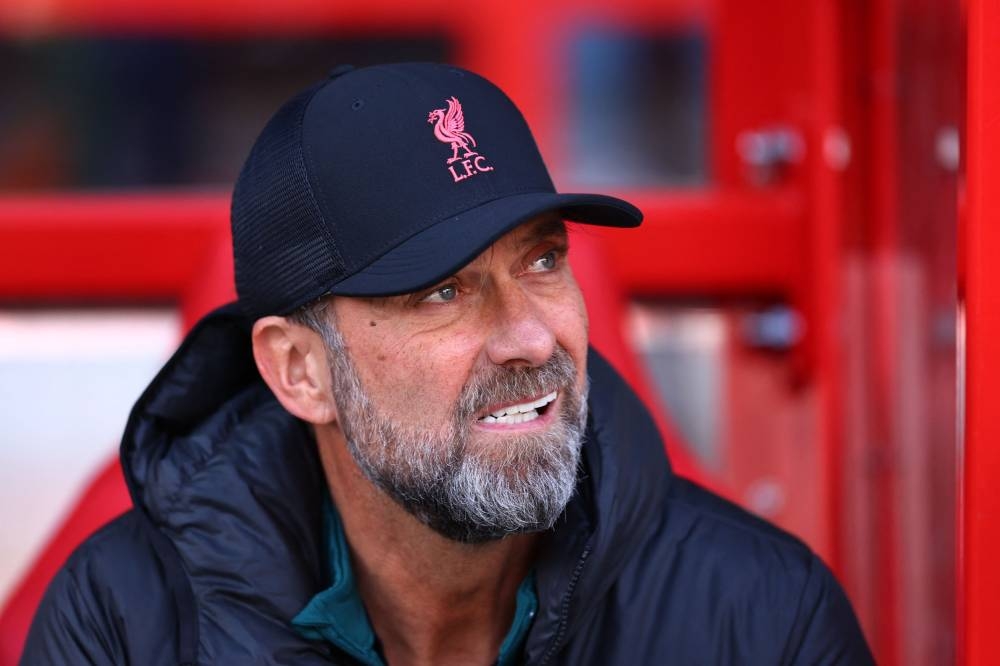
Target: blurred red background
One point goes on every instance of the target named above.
(794, 309)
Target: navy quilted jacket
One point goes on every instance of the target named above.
(222, 549)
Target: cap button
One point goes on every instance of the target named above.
(338, 70)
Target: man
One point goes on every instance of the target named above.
(396, 447)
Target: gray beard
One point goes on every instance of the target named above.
(469, 493)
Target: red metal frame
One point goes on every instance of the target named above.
(102, 248)
(980, 536)
(304, 16)
(754, 240)
(884, 239)
(822, 301)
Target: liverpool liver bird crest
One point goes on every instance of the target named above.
(449, 127)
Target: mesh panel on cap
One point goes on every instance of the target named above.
(283, 253)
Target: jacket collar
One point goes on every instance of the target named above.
(622, 487)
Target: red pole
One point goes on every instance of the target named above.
(825, 259)
(885, 243)
(979, 539)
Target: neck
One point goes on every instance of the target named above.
(430, 600)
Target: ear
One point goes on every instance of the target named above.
(292, 361)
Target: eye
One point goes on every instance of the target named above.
(546, 262)
(441, 295)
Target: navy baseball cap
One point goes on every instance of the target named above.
(385, 180)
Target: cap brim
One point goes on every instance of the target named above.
(442, 249)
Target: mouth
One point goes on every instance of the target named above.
(521, 412)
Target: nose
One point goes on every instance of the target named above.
(520, 335)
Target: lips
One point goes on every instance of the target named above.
(520, 412)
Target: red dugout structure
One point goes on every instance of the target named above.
(980, 515)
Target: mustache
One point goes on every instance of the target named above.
(497, 384)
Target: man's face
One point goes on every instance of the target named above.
(466, 402)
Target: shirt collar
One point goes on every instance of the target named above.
(337, 615)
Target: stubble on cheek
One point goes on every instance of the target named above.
(419, 385)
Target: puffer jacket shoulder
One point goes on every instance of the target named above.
(111, 603)
(716, 585)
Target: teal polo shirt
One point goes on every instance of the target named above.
(337, 615)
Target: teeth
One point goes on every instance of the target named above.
(523, 408)
(522, 417)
